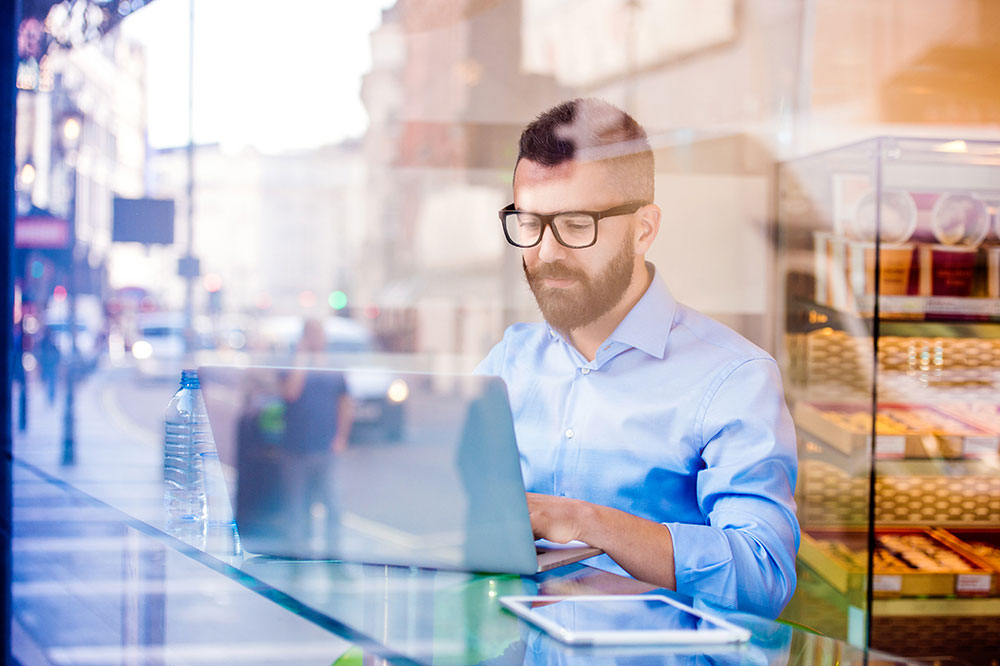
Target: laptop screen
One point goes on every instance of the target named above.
(372, 466)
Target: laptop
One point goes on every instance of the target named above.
(430, 477)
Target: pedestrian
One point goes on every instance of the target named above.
(318, 416)
(48, 353)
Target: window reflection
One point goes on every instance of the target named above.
(345, 164)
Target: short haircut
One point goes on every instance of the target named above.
(592, 130)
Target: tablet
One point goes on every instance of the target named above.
(623, 619)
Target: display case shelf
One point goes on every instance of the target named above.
(909, 225)
(903, 316)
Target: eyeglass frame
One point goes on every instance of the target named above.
(546, 220)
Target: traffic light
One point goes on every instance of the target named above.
(337, 300)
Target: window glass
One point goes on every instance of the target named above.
(196, 180)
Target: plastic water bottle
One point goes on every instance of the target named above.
(222, 539)
(186, 437)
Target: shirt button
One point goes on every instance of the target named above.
(569, 433)
(607, 347)
(585, 371)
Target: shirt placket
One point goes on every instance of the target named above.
(568, 453)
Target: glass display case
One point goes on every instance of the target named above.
(889, 264)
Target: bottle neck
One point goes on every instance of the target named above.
(189, 379)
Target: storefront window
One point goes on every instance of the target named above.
(196, 180)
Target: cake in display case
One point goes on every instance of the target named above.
(889, 266)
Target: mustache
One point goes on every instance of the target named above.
(557, 271)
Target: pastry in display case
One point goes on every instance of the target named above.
(889, 263)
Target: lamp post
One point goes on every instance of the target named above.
(23, 182)
(632, 55)
(69, 134)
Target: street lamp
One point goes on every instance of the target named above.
(71, 129)
(70, 132)
(27, 175)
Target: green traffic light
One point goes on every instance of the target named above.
(337, 300)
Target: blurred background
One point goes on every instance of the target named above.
(195, 177)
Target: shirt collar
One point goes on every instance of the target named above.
(647, 325)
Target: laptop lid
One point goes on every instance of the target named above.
(431, 475)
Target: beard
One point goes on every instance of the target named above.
(590, 298)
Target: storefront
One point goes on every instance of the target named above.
(829, 177)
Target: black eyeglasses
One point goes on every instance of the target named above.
(573, 229)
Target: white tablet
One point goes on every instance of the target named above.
(623, 619)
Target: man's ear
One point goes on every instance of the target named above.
(647, 228)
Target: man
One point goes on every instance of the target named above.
(318, 417)
(645, 428)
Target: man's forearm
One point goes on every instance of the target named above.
(641, 547)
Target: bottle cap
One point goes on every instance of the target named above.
(189, 379)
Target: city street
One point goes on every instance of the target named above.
(118, 461)
(404, 494)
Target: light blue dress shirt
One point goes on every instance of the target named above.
(679, 420)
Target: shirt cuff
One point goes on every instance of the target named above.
(703, 563)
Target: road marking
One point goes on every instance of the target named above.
(398, 537)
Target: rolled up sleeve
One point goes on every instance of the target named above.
(744, 557)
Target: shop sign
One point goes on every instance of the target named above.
(41, 233)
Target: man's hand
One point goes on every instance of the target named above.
(642, 547)
(558, 519)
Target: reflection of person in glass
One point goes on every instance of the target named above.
(318, 418)
(49, 356)
(541, 649)
(645, 428)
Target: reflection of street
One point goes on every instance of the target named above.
(404, 494)
(393, 496)
(118, 402)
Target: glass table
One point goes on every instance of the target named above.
(97, 579)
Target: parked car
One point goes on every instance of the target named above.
(159, 346)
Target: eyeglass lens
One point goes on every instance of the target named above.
(572, 229)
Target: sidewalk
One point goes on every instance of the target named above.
(91, 588)
(114, 459)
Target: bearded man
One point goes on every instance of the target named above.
(644, 427)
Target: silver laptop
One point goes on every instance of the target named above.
(430, 476)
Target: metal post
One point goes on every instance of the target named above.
(22, 402)
(632, 56)
(189, 279)
(69, 416)
(10, 17)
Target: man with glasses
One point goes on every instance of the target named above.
(645, 428)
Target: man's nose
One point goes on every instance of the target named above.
(549, 249)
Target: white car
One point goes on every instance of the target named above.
(159, 347)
